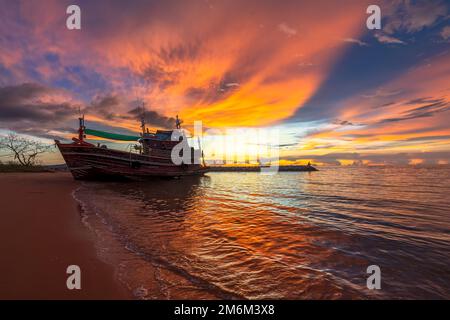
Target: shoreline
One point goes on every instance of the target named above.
(41, 234)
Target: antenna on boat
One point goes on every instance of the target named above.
(143, 118)
(177, 122)
(201, 150)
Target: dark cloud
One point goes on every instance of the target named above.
(106, 102)
(25, 109)
(162, 71)
(428, 110)
(182, 52)
(16, 94)
(413, 16)
(423, 100)
(343, 122)
(108, 107)
(24, 103)
(105, 106)
(428, 138)
(387, 104)
(432, 108)
(158, 76)
(153, 118)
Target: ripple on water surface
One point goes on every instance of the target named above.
(290, 235)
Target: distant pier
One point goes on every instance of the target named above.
(257, 168)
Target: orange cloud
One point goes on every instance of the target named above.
(227, 63)
(230, 64)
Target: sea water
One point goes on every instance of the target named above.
(293, 235)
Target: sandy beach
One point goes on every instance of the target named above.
(41, 234)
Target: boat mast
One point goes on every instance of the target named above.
(143, 118)
(81, 128)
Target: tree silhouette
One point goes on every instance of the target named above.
(24, 150)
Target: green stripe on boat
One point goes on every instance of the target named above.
(112, 136)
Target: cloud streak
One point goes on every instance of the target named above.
(384, 38)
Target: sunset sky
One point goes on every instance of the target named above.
(338, 92)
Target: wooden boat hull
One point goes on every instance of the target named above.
(86, 161)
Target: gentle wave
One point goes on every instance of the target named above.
(287, 236)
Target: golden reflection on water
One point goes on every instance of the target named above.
(291, 235)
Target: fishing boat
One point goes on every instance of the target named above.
(150, 158)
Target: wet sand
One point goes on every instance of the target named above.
(41, 234)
